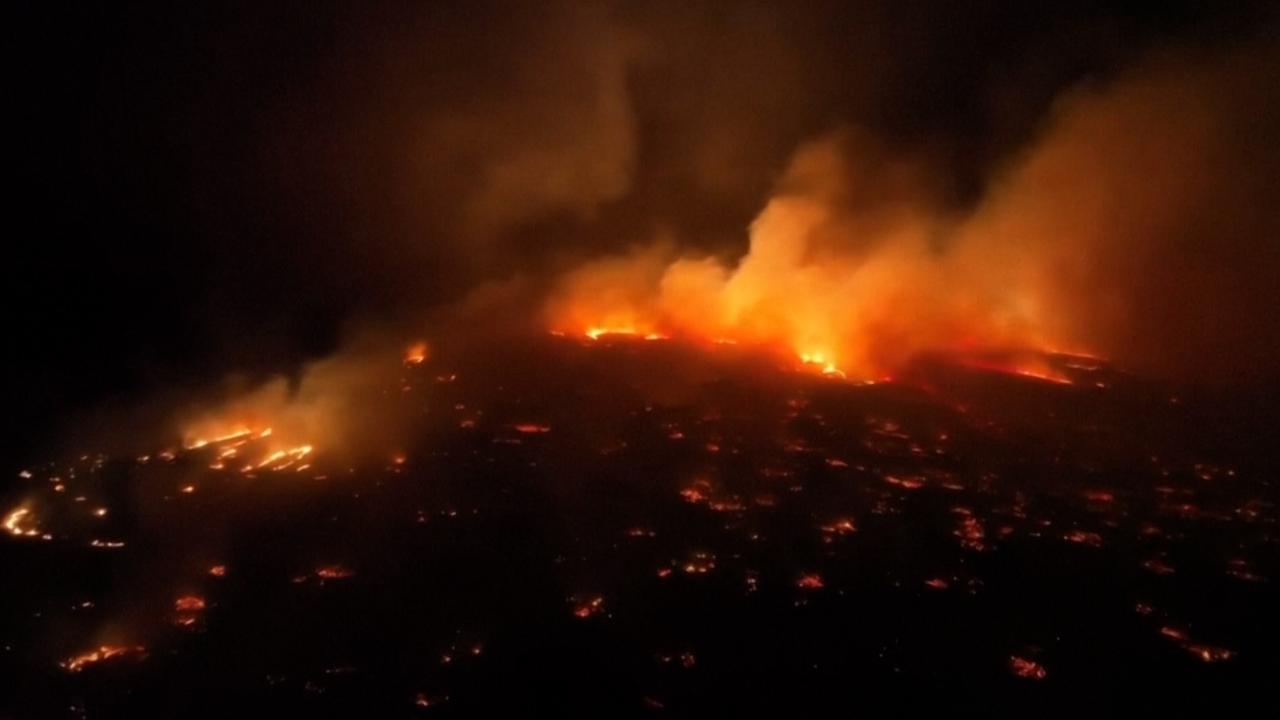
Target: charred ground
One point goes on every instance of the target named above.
(626, 527)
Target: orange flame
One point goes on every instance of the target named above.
(417, 353)
(840, 288)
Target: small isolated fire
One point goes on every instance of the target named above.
(587, 607)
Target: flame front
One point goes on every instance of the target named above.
(837, 288)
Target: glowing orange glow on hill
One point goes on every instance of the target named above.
(841, 289)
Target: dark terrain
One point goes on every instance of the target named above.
(631, 528)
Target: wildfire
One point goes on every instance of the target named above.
(1025, 668)
(281, 459)
(334, 572)
(416, 354)
(14, 523)
(1200, 651)
(588, 607)
(810, 581)
(842, 295)
(230, 437)
(239, 440)
(79, 662)
(188, 610)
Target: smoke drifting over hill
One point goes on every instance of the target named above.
(858, 182)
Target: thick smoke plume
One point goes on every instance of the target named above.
(1138, 224)
(852, 185)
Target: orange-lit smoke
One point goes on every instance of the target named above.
(842, 273)
(1139, 224)
(340, 405)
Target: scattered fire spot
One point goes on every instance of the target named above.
(1202, 652)
(1082, 537)
(971, 533)
(906, 483)
(698, 492)
(1025, 668)
(810, 581)
(1209, 653)
(334, 572)
(588, 608)
(843, 526)
(79, 662)
(700, 563)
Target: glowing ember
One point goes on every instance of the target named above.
(810, 581)
(589, 607)
(698, 492)
(840, 527)
(1209, 653)
(971, 533)
(1081, 537)
(334, 572)
(700, 563)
